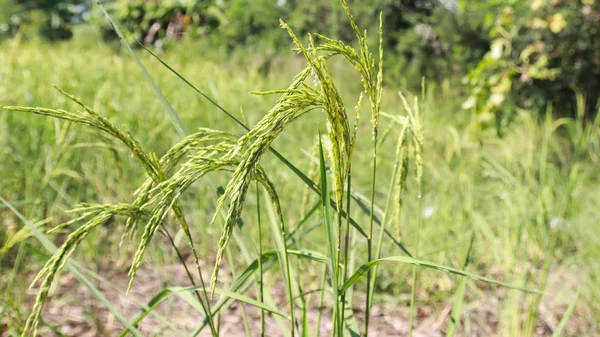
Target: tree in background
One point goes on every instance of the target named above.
(541, 52)
(51, 19)
(511, 54)
(160, 22)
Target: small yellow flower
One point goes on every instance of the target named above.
(538, 23)
(557, 23)
(496, 49)
(537, 4)
(588, 2)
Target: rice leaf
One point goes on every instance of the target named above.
(171, 113)
(184, 293)
(459, 295)
(278, 233)
(363, 270)
(331, 236)
(563, 322)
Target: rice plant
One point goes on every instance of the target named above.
(208, 151)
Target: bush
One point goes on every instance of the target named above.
(158, 22)
(8, 21)
(541, 53)
(51, 19)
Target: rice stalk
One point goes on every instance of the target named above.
(395, 191)
(294, 101)
(414, 118)
(209, 151)
(149, 162)
(260, 280)
(98, 215)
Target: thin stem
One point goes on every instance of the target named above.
(234, 276)
(368, 301)
(289, 282)
(331, 244)
(188, 234)
(321, 301)
(414, 270)
(260, 264)
(279, 234)
(384, 222)
(347, 236)
(413, 288)
(191, 278)
(338, 301)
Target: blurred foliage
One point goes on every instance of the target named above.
(238, 23)
(7, 10)
(541, 53)
(159, 22)
(51, 19)
(511, 54)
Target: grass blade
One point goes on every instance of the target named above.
(278, 230)
(260, 279)
(563, 322)
(171, 113)
(331, 235)
(268, 260)
(193, 87)
(364, 269)
(184, 293)
(459, 295)
(236, 296)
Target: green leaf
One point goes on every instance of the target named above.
(459, 295)
(171, 113)
(268, 260)
(331, 234)
(563, 322)
(186, 294)
(362, 271)
(278, 232)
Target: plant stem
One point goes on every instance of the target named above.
(347, 237)
(414, 270)
(369, 300)
(205, 307)
(396, 169)
(321, 301)
(260, 264)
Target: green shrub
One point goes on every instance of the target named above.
(541, 53)
(52, 20)
(8, 19)
(158, 22)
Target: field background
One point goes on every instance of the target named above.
(527, 199)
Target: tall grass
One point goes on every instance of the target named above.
(350, 232)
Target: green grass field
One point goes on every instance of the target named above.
(522, 207)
